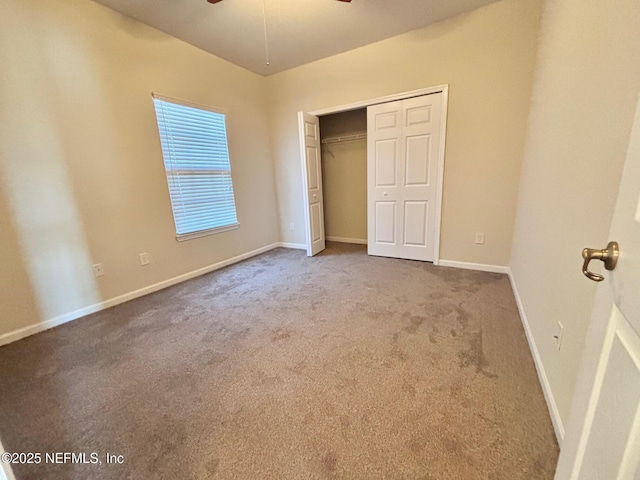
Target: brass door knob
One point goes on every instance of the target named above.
(608, 255)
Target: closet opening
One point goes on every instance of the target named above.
(343, 139)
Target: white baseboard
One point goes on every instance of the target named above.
(474, 266)
(67, 317)
(359, 241)
(297, 246)
(542, 374)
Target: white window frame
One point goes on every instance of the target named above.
(172, 173)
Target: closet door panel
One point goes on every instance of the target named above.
(312, 177)
(403, 144)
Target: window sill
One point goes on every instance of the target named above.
(204, 233)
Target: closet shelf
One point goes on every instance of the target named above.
(344, 138)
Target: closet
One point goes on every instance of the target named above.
(372, 173)
(344, 175)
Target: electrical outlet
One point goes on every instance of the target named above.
(292, 226)
(144, 258)
(98, 270)
(479, 238)
(558, 336)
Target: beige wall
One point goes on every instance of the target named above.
(81, 169)
(587, 81)
(487, 58)
(16, 296)
(344, 175)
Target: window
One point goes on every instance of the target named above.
(196, 159)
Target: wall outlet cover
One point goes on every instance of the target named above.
(98, 270)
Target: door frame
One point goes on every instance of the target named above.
(444, 89)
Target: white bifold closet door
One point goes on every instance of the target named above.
(403, 145)
(309, 126)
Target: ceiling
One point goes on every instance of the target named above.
(299, 31)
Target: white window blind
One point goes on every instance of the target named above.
(196, 159)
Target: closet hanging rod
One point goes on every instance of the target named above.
(345, 138)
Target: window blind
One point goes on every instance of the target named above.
(196, 160)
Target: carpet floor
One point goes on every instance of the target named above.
(288, 367)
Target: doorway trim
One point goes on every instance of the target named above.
(385, 99)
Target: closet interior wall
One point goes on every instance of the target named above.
(344, 176)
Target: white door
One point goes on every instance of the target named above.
(603, 435)
(6, 473)
(309, 126)
(403, 153)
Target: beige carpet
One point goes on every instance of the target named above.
(338, 366)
